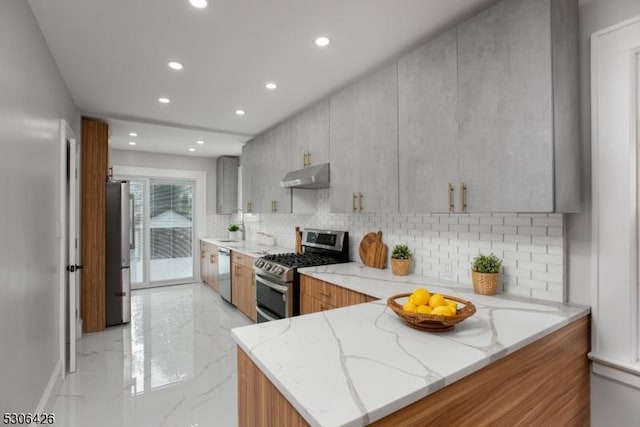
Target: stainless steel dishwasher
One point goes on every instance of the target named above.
(224, 272)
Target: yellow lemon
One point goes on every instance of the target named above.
(420, 297)
(423, 309)
(436, 300)
(452, 304)
(409, 306)
(442, 310)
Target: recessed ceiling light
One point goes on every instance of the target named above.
(164, 100)
(200, 4)
(133, 134)
(323, 41)
(271, 86)
(200, 142)
(175, 65)
(240, 112)
(132, 143)
(192, 149)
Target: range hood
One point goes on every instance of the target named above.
(311, 177)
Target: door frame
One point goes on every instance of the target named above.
(199, 194)
(615, 342)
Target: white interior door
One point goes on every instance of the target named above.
(74, 250)
(75, 263)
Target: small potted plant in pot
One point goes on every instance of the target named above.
(401, 260)
(234, 231)
(485, 274)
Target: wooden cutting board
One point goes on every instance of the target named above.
(373, 252)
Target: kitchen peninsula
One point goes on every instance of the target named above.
(515, 361)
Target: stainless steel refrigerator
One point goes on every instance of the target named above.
(118, 273)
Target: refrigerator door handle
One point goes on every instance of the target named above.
(132, 236)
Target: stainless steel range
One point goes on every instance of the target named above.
(277, 281)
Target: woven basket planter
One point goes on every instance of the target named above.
(485, 283)
(400, 267)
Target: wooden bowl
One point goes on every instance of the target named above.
(431, 322)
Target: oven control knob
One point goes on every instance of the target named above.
(259, 263)
(279, 270)
(267, 266)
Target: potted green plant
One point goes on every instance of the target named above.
(401, 260)
(234, 231)
(485, 273)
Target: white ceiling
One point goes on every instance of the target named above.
(113, 56)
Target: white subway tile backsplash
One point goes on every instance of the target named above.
(490, 220)
(517, 221)
(504, 229)
(534, 231)
(548, 221)
(532, 245)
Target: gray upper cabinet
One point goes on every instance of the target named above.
(428, 125)
(265, 160)
(227, 184)
(516, 154)
(364, 144)
(310, 136)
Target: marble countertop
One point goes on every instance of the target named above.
(246, 247)
(355, 365)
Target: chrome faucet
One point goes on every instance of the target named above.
(241, 219)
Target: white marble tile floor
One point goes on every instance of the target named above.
(173, 365)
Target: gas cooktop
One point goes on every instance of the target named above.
(293, 260)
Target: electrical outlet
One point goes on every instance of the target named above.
(445, 269)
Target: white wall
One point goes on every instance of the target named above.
(33, 98)
(170, 161)
(610, 401)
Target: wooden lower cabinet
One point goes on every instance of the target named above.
(243, 285)
(545, 383)
(209, 265)
(318, 295)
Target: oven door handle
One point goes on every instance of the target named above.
(265, 315)
(272, 285)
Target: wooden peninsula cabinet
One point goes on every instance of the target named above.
(317, 295)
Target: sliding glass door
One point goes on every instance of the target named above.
(162, 232)
(171, 231)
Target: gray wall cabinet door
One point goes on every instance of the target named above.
(364, 143)
(226, 184)
(276, 155)
(428, 125)
(248, 162)
(310, 135)
(506, 108)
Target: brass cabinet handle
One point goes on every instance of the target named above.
(463, 197)
(305, 159)
(201, 254)
(248, 206)
(320, 291)
(275, 202)
(360, 198)
(308, 158)
(212, 260)
(353, 202)
(450, 195)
